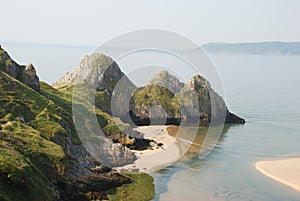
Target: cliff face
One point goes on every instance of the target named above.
(193, 103)
(97, 70)
(211, 106)
(25, 74)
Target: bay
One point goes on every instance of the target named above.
(264, 89)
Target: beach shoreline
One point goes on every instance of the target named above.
(284, 171)
(157, 157)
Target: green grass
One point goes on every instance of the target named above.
(27, 162)
(142, 189)
(38, 111)
(150, 95)
(30, 163)
(102, 101)
(113, 129)
(63, 98)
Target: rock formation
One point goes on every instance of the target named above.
(97, 70)
(211, 106)
(193, 103)
(113, 91)
(164, 100)
(165, 79)
(157, 102)
(25, 74)
(101, 72)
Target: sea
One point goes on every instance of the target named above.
(263, 89)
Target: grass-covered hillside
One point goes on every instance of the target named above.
(41, 155)
(29, 161)
(32, 167)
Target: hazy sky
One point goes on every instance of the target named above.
(92, 22)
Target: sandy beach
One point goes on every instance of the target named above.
(285, 171)
(154, 159)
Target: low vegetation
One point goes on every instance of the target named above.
(32, 167)
(141, 189)
(28, 162)
(151, 95)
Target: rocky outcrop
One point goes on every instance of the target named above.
(154, 104)
(164, 100)
(126, 136)
(97, 70)
(30, 77)
(211, 106)
(113, 91)
(196, 103)
(26, 74)
(101, 72)
(165, 79)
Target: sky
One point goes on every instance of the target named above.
(92, 22)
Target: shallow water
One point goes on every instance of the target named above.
(266, 91)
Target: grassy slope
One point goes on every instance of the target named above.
(29, 161)
(21, 101)
(142, 189)
(102, 99)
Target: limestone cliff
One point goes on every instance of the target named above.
(102, 72)
(98, 70)
(211, 105)
(167, 101)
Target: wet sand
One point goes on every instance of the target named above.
(285, 171)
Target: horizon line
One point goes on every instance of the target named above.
(95, 47)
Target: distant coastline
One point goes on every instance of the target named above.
(255, 48)
(251, 48)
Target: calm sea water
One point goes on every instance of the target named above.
(266, 91)
(263, 89)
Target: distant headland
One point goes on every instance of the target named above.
(255, 48)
